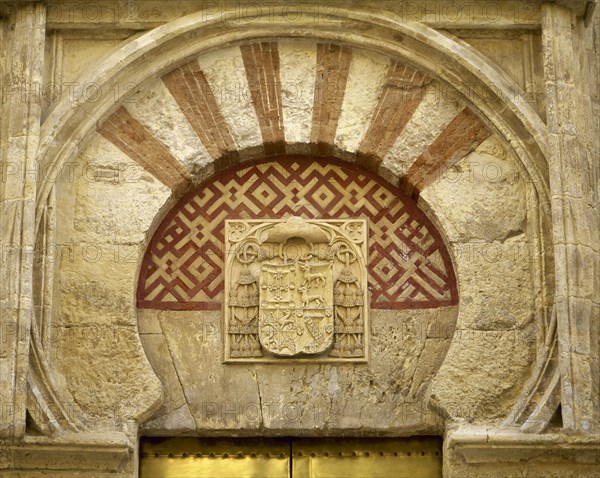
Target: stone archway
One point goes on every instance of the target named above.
(185, 126)
(439, 126)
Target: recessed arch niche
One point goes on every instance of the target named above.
(413, 306)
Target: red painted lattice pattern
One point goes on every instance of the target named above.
(409, 266)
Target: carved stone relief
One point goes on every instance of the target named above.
(296, 288)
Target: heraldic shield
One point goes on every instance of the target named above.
(295, 289)
(296, 306)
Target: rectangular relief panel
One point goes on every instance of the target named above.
(214, 457)
(419, 457)
(296, 290)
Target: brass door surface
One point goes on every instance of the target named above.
(214, 458)
(419, 457)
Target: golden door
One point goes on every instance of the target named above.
(418, 457)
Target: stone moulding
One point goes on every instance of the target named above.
(95, 453)
(492, 452)
(540, 396)
(296, 289)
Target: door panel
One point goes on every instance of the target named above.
(212, 458)
(375, 458)
(418, 457)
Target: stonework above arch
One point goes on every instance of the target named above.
(260, 99)
(147, 133)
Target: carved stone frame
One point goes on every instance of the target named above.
(360, 243)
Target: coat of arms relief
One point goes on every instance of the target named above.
(296, 289)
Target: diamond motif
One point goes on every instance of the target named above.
(183, 264)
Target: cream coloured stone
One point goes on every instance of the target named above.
(365, 80)
(454, 61)
(488, 273)
(298, 63)
(96, 283)
(225, 73)
(482, 197)
(78, 54)
(156, 109)
(116, 199)
(90, 300)
(407, 348)
(482, 373)
(22, 68)
(94, 338)
(215, 400)
(70, 455)
(511, 54)
(509, 15)
(437, 109)
(492, 452)
(100, 243)
(107, 373)
(158, 354)
(79, 279)
(180, 421)
(577, 325)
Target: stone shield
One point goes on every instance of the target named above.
(296, 307)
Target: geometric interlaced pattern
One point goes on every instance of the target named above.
(409, 265)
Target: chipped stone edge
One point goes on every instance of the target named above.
(489, 445)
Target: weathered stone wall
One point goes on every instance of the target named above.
(489, 229)
(487, 178)
(405, 347)
(485, 113)
(100, 235)
(6, 39)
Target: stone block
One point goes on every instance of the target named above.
(390, 392)
(116, 199)
(489, 273)
(491, 191)
(483, 373)
(107, 373)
